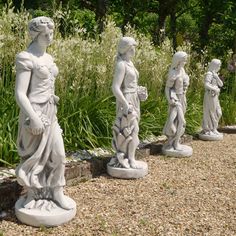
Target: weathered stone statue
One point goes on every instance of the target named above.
(176, 87)
(211, 105)
(126, 127)
(40, 144)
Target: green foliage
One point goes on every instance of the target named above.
(39, 12)
(86, 110)
(145, 22)
(206, 24)
(187, 28)
(13, 31)
(75, 21)
(224, 36)
(229, 109)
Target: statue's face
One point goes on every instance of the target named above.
(45, 38)
(183, 61)
(131, 51)
(217, 67)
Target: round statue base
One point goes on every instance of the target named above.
(128, 173)
(42, 217)
(211, 137)
(184, 151)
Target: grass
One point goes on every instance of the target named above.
(87, 107)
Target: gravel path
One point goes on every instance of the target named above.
(187, 196)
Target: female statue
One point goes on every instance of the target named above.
(175, 91)
(40, 144)
(211, 105)
(128, 96)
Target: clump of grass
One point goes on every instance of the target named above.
(13, 37)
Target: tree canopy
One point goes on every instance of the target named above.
(206, 24)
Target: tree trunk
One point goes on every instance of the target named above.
(163, 12)
(173, 28)
(129, 13)
(204, 30)
(101, 10)
(205, 23)
(234, 49)
(159, 32)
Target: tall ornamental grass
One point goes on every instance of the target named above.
(13, 30)
(87, 107)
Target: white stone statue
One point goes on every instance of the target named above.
(126, 127)
(175, 91)
(211, 105)
(40, 144)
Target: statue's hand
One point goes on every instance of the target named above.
(127, 109)
(36, 126)
(217, 90)
(215, 74)
(142, 93)
(173, 102)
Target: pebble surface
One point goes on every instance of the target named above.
(179, 196)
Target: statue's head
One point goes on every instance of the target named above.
(179, 58)
(125, 44)
(41, 26)
(215, 65)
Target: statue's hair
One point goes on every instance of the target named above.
(177, 58)
(214, 63)
(38, 25)
(124, 44)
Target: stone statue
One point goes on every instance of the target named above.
(126, 127)
(40, 144)
(175, 91)
(211, 105)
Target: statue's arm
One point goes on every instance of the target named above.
(117, 82)
(167, 93)
(208, 85)
(21, 88)
(218, 80)
(169, 89)
(185, 82)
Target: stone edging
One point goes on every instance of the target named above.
(228, 129)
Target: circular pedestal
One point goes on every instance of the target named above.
(184, 151)
(211, 137)
(39, 217)
(128, 173)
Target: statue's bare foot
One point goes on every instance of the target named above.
(29, 203)
(216, 132)
(122, 160)
(60, 199)
(112, 161)
(168, 145)
(133, 164)
(178, 147)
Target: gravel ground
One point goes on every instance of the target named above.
(185, 196)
